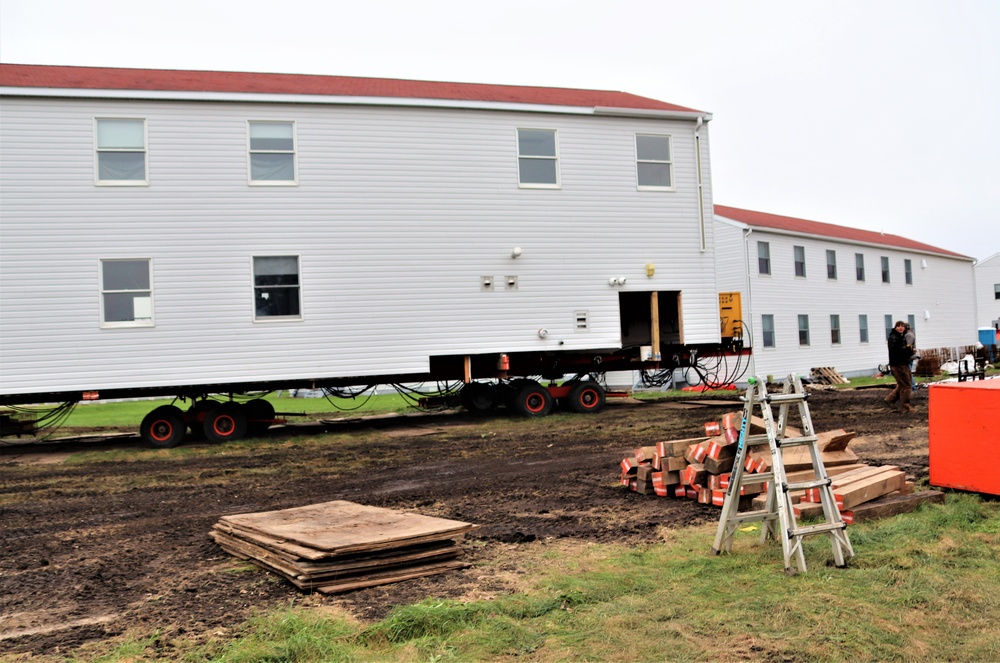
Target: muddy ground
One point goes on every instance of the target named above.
(118, 542)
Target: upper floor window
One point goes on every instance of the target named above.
(863, 328)
(859, 266)
(885, 269)
(272, 152)
(763, 258)
(767, 330)
(276, 287)
(537, 160)
(121, 151)
(800, 260)
(652, 161)
(126, 294)
(835, 329)
(803, 330)
(908, 271)
(831, 265)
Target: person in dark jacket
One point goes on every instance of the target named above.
(901, 347)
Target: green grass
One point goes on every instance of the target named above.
(923, 587)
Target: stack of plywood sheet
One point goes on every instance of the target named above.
(699, 469)
(339, 546)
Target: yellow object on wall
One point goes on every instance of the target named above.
(730, 314)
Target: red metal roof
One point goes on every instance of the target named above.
(791, 224)
(98, 78)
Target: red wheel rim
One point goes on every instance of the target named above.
(161, 430)
(224, 425)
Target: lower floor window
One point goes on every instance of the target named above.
(863, 328)
(276, 287)
(767, 330)
(803, 330)
(835, 329)
(126, 293)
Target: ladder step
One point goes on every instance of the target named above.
(797, 441)
(816, 529)
(786, 398)
(757, 478)
(751, 516)
(755, 440)
(805, 485)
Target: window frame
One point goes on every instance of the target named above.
(120, 324)
(555, 158)
(669, 163)
(912, 321)
(863, 328)
(886, 274)
(270, 319)
(98, 150)
(796, 250)
(907, 271)
(835, 335)
(888, 325)
(859, 267)
(294, 153)
(767, 249)
(831, 265)
(996, 291)
(764, 331)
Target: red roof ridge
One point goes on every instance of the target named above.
(181, 80)
(822, 229)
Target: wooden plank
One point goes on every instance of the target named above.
(891, 505)
(868, 489)
(341, 527)
(390, 577)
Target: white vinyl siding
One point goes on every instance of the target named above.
(120, 146)
(537, 158)
(653, 163)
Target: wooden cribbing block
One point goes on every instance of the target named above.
(713, 466)
(665, 479)
(834, 440)
(673, 463)
(712, 428)
(644, 487)
(866, 490)
(808, 510)
(799, 458)
(694, 474)
(806, 475)
(704, 496)
(676, 447)
(732, 421)
(644, 473)
(696, 452)
(890, 505)
(629, 465)
(757, 428)
(845, 479)
(645, 454)
(719, 449)
(680, 490)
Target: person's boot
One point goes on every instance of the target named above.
(905, 408)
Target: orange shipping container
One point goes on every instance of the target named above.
(965, 436)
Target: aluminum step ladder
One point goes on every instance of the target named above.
(779, 516)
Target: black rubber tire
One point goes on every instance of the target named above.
(195, 417)
(224, 423)
(163, 428)
(533, 400)
(586, 397)
(259, 414)
(479, 397)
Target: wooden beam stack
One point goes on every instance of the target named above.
(339, 546)
(699, 469)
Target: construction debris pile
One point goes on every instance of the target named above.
(699, 469)
(339, 546)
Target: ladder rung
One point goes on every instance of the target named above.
(749, 516)
(755, 440)
(805, 485)
(816, 529)
(786, 398)
(797, 441)
(756, 478)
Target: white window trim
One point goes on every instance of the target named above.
(295, 155)
(517, 143)
(151, 322)
(669, 162)
(145, 154)
(275, 319)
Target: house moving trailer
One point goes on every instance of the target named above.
(194, 234)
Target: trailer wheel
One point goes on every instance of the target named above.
(163, 428)
(533, 400)
(479, 397)
(586, 397)
(259, 414)
(226, 422)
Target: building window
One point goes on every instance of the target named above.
(537, 162)
(272, 152)
(888, 325)
(835, 329)
(912, 321)
(863, 328)
(652, 161)
(996, 291)
(885, 269)
(121, 151)
(767, 329)
(763, 258)
(859, 266)
(803, 330)
(276, 287)
(908, 271)
(831, 265)
(800, 260)
(126, 294)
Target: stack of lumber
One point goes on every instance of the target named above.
(827, 375)
(699, 469)
(339, 546)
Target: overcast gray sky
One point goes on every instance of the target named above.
(877, 114)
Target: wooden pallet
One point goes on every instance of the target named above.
(827, 375)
